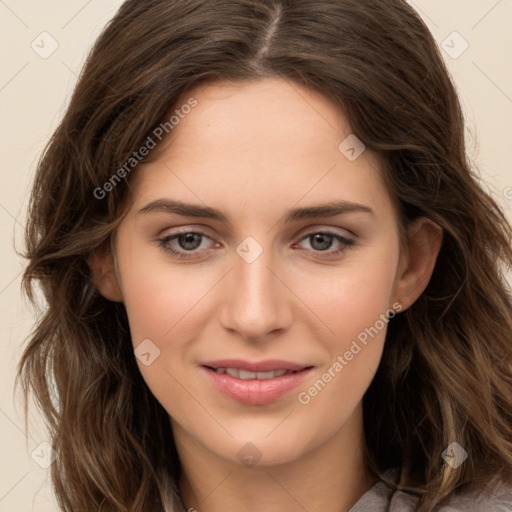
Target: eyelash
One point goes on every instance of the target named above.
(347, 242)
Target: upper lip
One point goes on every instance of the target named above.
(266, 365)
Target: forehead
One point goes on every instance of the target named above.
(251, 143)
(272, 114)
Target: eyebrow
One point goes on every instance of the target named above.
(194, 210)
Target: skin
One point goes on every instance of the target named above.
(255, 150)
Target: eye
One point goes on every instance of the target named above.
(322, 241)
(186, 243)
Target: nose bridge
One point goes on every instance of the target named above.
(257, 301)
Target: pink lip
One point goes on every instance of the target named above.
(256, 366)
(255, 391)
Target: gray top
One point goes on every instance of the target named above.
(497, 497)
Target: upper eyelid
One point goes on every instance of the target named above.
(305, 232)
(346, 234)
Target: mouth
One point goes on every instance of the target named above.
(238, 373)
(255, 383)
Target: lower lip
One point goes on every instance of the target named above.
(255, 391)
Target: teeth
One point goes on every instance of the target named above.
(246, 375)
(265, 375)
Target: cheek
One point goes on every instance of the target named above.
(352, 298)
(164, 304)
(159, 296)
(355, 307)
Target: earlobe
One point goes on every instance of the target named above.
(424, 239)
(104, 276)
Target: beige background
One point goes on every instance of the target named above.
(34, 92)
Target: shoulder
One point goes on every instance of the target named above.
(495, 497)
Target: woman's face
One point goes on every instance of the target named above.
(291, 264)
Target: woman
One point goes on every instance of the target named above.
(271, 275)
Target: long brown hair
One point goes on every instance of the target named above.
(445, 373)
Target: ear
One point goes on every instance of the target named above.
(424, 238)
(104, 276)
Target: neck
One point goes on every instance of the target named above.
(331, 477)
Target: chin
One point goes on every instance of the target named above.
(263, 449)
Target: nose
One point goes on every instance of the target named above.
(256, 301)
